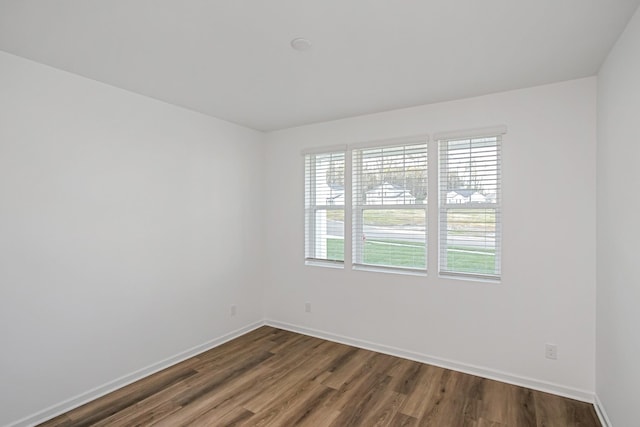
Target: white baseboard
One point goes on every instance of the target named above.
(602, 414)
(572, 393)
(82, 398)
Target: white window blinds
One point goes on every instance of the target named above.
(390, 206)
(469, 219)
(324, 206)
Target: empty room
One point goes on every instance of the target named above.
(319, 213)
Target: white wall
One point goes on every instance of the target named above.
(547, 292)
(119, 247)
(125, 229)
(618, 295)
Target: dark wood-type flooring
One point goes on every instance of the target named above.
(271, 377)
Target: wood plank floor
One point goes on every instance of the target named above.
(271, 377)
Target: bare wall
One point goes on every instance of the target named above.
(127, 229)
(618, 315)
(547, 293)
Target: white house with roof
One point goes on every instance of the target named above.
(389, 194)
(469, 196)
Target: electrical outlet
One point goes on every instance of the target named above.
(551, 351)
(233, 310)
(307, 307)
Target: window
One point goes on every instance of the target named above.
(324, 206)
(375, 197)
(390, 206)
(470, 206)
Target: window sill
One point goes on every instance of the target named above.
(470, 278)
(339, 265)
(390, 270)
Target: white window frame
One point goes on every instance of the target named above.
(312, 207)
(358, 206)
(445, 208)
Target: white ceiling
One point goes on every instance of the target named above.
(231, 58)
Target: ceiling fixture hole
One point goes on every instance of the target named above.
(301, 44)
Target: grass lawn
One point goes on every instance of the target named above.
(471, 260)
(395, 253)
(412, 255)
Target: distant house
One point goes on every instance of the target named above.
(478, 198)
(389, 194)
(469, 196)
(455, 197)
